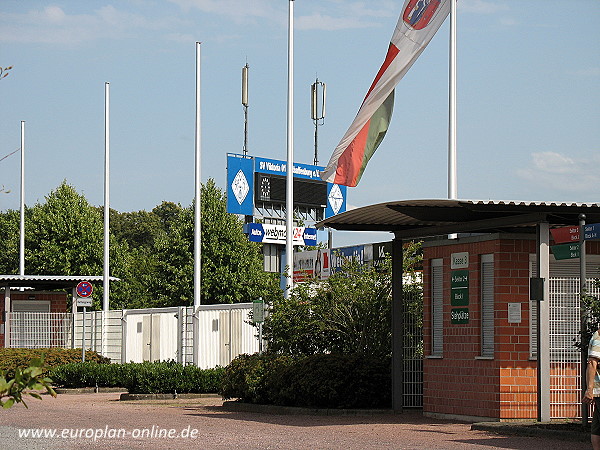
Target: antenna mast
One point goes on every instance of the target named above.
(245, 104)
(317, 110)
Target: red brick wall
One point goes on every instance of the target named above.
(459, 383)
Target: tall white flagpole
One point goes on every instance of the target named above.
(197, 218)
(289, 198)
(22, 223)
(106, 268)
(452, 173)
(197, 190)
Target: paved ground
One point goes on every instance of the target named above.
(103, 416)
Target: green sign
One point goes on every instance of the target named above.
(258, 311)
(459, 315)
(459, 283)
(459, 279)
(460, 297)
(566, 251)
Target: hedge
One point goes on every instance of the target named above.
(11, 358)
(140, 378)
(321, 381)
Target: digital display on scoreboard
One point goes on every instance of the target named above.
(271, 189)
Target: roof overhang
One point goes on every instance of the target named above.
(425, 218)
(41, 282)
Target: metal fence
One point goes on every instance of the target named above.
(38, 329)
(222, 332)
(413, 346)
(565, 358)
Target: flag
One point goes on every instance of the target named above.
(418, 23)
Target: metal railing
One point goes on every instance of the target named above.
(39, 329)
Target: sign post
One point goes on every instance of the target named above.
(84, 292)
(582, 286)
(258, 316)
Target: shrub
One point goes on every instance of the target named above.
(89, 374)
(11, 358)
(251, 378)
(322, 380)
(140, 378)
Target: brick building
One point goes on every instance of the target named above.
(36, 294)
(481, 351)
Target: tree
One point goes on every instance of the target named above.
(231, 269)
(350, 312)
(151, 252)
(9, 243)
(64, 235)
(4, 71)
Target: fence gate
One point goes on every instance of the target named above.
(151, 335)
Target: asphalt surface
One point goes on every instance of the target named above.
(101, 421)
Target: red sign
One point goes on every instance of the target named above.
(84, 289)
(565, 234)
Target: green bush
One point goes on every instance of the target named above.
(11, 358)
(171, 377)
(321, 381)
(140, 378)
(89, 374)
(252, 378)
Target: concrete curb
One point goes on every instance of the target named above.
(295, 410)
(89, 390)
(127, 396)
(531, 429)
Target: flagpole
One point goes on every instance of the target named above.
(289, 198)
(197, 217)
(106, 269)
(22, 222)
(452, 173)
(197, 189)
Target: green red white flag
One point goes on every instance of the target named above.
(418, 23)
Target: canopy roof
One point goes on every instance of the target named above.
(422, 218)
(41, 282)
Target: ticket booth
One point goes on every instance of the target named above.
(483, 356)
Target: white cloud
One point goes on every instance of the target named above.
(481, 6)
(562, 172)
(238, 10)
(324, 15)
(53, 25)
(590, 72)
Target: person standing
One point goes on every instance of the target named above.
(592, 393)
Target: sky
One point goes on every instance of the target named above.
(528, 97)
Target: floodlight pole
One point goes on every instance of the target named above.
(289, 203)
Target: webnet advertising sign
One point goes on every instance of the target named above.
(276, 234)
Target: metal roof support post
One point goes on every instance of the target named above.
(73, 314)
(7, 316)
(543, 321)
(397, 326)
